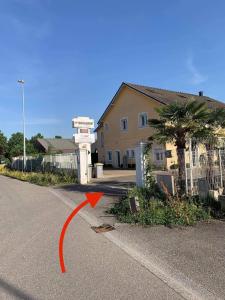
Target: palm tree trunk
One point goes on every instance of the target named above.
(181, 170)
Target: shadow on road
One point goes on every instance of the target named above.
(14, 291)
(104, 188)
(115, 183)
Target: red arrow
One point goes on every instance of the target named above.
(92, 199)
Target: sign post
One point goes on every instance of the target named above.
(84, 138)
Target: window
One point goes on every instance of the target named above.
(168, 153)
(109, 155)
(159, 155)
(124, 124)
(130, 153)
(143, 120)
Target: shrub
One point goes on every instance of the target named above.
(181, 212)
(44, 179)
(174, 166)
(144, 194)
(212, 204)
(120, 208)
(2, 167)
(153, 211)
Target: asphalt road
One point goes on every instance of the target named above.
(31, 219)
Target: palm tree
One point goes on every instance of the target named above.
(176, 124)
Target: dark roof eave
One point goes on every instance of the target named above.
(144, 93)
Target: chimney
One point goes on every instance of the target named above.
(200, 93)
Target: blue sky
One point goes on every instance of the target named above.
(73, 55)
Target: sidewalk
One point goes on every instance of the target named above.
(189, 258)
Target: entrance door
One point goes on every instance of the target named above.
(117, 159)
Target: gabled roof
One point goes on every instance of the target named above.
(63, 145)
(164, 97)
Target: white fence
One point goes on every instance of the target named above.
(47, 163)
(204, 171)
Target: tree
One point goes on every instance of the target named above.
(58, 137)
(177, 123)
(3, 145)
(33, 143)
(15, 145)
(30, 149)
(34, 138)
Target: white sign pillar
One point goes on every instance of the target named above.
(84, 138)
(82, 166)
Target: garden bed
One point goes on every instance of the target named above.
(155, 211)
(43, 179)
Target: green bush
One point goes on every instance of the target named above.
(211, 203)
(181, 212)
(153, 215)
(174, 166)
(120, 208)
(154, 211)
(44, 179)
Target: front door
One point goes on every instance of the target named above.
(117, 159)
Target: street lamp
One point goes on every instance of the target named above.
(21, 82)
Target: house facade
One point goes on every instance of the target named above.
(124, 124)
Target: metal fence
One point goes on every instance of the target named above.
(47, 163)
(204, 172)
(201, 171)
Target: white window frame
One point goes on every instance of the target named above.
(161, 153)
(129, 151)
(139, 119)
(121, 127)
(107, 155)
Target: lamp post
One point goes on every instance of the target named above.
(21, 82)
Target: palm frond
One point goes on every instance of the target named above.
(177, 121)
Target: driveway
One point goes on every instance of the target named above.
(31, 219)
(117, 177)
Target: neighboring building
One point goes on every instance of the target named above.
(124, 124)
(57, 145)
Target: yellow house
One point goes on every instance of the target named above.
(124, 124)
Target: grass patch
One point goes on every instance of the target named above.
(43, 179)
